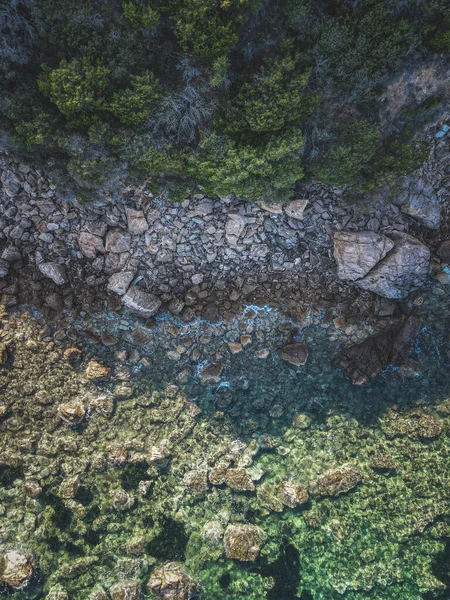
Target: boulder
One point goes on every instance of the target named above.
(422, 203)
(235, 225)
(171, 582)
(126, 590)
(292, 493)
(137, 223)
(16, 569)
(120, 282)
(72, 412)
(403, 270)
(363, 361)
(391, 267)
(239, 480)
(95, 371)
(295, 354)
(53, 271)
(243, 542)
(140, 302)
(337, 481)
(357, 252)
(4, 268)
(118, 241)
(90, 245)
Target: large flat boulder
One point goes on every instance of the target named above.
(362, 362)
(405, 269)
(140, 302)
(391, 267)
(357, 252)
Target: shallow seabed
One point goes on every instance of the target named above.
(154, 467)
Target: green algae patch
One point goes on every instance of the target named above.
(143, 493)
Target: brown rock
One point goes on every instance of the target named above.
(90, 245)
(16, 569)
(95, 371)
(337, 481)
(118, 241)
(210, 373)
(171, 582)
(295, 354)
(296, 208)
(3, 353)
(72, 412)
(239, 480)
(196, 481)
(357, 252)
(293, 494)
(243, 542)
(72, 354)
(137, 223)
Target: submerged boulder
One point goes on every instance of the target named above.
(171, 582)
(362, 362)
(243, 542)
(295, 354)
(391, 267)
(210, 373)
(16, 568)
(337, 481)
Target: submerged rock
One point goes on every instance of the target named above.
(382, 461)
(72, 412)
(3, 353)
(210, 374)
(362, 362)
(16, 569)
(295, 354)
(292, 494)
(243, 542)
(239, 480)
(337, 481)
(171, 582)
(128, 590)
(95, 371)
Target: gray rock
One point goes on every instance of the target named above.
(118, 241)
(4, 268)
(11, 185)
(55, 272)
(403, 270)
(235, 225)
(11, 254)
(423, 205)
(140, 302)
(296, 208)
(90, 244)
(356, 253)
(137, 223)
(120, 282)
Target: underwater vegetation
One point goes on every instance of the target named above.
(114, 487)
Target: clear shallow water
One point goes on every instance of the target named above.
(385, 538)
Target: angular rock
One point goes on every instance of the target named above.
(356, 253)
(118, 241)
(235, 225)
(292, 494)
(210, 373)
(72, 412)
(337, 481)
(55, 272)
(295, 354)
(16, 569)
(137, 223)
(171, 582)
(95, 371)
(90, 245)
(362, 362)
(4, 268)
(3, 353)
(127, 590)
(403, 270)
(243, 542)
(422, 203)
(120, 282)
(140, 302)
(296, 208)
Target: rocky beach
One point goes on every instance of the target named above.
(217, 399)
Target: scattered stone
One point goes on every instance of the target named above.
(171, 582)
(69, 487)
(128, 590)
(196, 481)
(95, 371)
(382, 461)
(121, 499)
(235, 226)
(118, 241)
(293, 494)
(235, 347)
(137, 223)
(3, 353)
(72, 354)
(296, 208)
(295, 354)
(120, 282)
(90, 245)
(57, 593)
(55, 272)
(337, 481)
(422, 203)
(243, 542)
(16, 569)
(362, 362)
(239, 480)
(263, 353)
(210, 373)
(72, 412)
(140, 302)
